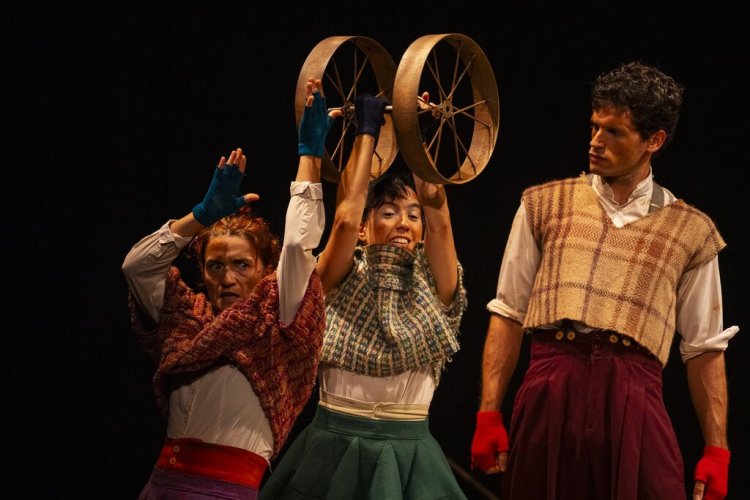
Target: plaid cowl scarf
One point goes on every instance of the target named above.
(385, 318)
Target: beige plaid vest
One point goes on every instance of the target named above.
(622, 279)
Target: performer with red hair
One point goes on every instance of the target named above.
(236, 361)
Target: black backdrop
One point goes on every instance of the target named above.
(115, 114)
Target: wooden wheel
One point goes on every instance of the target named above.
(449, 140)
(348, 66)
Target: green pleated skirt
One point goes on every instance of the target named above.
(342, 457)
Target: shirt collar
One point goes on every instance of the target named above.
(643, 189)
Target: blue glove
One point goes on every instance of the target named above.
(222, 197)
(369, 111)
(313, 128)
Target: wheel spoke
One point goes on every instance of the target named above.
(435, 70)
(353, 89)
(456, 139)
(459, 142)
(357, 75)
(461, 77)
(454, 84)
(338, 151)
(337, 82)
(463, 112)
(439, 137)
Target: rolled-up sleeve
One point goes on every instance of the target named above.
(146, 265)
(305, 221)
(517, 271)
(700, 312)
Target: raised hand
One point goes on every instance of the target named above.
(316, 121)
(223, 196)
(369, 110)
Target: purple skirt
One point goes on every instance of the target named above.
(169, 485)
(589, 422)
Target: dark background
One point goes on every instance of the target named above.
(115, 114)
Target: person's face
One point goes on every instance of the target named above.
(231, 270)
(396, 222)
(617, 151)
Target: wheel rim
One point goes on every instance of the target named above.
(457, 146)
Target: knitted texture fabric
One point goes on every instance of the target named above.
(280, 362)
(622, 279)
(385, 317)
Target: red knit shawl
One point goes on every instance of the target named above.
(280, 362)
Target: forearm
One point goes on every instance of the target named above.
(441, 255)
(352, 189)
(440, 247)
(308, 169)
(434, 201)
(706, 376)
(187, 226)
(336, 260)
(501, 350)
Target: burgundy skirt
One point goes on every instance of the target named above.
(589, 422)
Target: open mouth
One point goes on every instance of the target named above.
(400, 242)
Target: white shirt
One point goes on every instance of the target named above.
(411, 387)
(221, 406)
(699, 301)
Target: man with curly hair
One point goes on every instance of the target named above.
(601, 270)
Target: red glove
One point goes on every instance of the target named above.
(713, 470)
(490, 438)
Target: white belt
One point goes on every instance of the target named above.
(378, 411)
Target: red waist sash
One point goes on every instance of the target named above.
(215, 461)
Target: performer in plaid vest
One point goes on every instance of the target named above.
(601, 270)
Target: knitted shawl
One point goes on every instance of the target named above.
(623, 279)
(385, 317)
(280, 361)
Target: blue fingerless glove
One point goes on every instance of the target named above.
(222, 197)
(369, 111)
(313, 128)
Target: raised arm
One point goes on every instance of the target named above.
(336, 260)
(438, 241)
(439, 246)
(305, 216)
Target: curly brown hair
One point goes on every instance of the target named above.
(653, 98)
(245, 225)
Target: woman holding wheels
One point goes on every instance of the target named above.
(394, 301)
